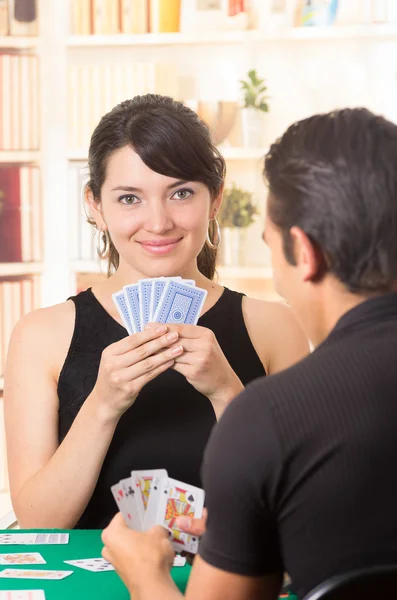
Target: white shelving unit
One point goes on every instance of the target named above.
(237, 37)
(18, 43)
(8, 269)
(19, 156)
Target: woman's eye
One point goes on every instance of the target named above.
(128, 199)
(183, 194)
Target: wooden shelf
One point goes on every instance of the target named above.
(15, 269)
(18, 43)
(347, 32)
(228, 152)
(19, 156)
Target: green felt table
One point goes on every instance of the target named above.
(82, 584)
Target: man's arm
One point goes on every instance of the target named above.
(143, 561)
(240, 557)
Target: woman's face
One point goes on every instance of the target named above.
(158, 224)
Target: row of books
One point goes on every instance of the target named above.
(20, 214)
(19, 102)
(18, 296)
(93, 90)
(82, 240)
(18, 17)
(109, 17)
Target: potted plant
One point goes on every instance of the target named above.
(237, 212)
(255, 107)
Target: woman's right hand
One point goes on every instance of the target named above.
(129, 364)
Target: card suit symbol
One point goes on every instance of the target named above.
(191, 498)
(121, 493)
(129, 516)
(155, 487)
(194, 539)
(130, 490)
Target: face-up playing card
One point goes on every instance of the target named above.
(33, 574)
(133, 516)
(157, 497)
(91, 564)
(22, 595)
(180, 303)
(22, 558)
(33, 538)
(120, 302)
(179, 561)
(180, 499)
(143, 484)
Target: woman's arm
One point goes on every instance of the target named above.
(275, 333)
(50, 485)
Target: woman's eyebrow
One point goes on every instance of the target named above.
(128, 188)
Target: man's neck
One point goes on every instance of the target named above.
(332, 302)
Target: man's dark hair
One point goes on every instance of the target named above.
(335, 176)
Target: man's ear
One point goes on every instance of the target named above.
(94, 210)
(308, 258)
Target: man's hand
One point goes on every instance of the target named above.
(193, 526)
(137, 556)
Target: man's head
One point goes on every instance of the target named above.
(332, 206)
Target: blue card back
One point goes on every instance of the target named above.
(145, 292)
(132, 301)
(180, 303)
(119, 300)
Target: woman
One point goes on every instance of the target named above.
(75, 424)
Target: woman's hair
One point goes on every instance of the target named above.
(334, 175)
(171, 140)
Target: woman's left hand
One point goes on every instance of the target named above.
(205, 366)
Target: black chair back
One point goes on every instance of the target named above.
(372, 583)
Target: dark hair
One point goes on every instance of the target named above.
(335, 176)
(170, 139)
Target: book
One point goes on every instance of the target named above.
(4, 30)
(20, 214)
(81, 17)
(164, 16)
(134, 16)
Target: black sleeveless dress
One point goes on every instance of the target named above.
(169, 424)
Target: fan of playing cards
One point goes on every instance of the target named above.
(149, 498)
(160, 300)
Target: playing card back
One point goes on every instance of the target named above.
(180, 303)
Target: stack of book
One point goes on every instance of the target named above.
(20, 214)
(19, 107)
(109, 17)
(93, 90)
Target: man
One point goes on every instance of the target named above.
(300, 471)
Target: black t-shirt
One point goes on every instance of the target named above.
(300, 473)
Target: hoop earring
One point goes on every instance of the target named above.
(103, 244)
(214, 244)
